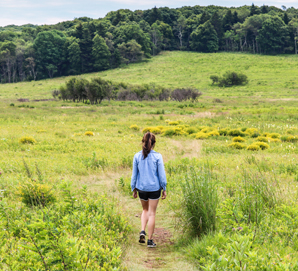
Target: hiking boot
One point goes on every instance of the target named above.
(150, 243)
(142, 237)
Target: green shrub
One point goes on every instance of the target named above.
(229, 79)
(253, 147)
(154, 130)
(224, 131)
(201, 136)
(173, 123)
(292, 131)
(262, 145)
(12, 104)
(89, 133)
(237, 145)
(34, 194)
(262, 139)
(134, 127)
(207, 130)
(236, 132)
(27, 140)
(191, 130)
(274, 135)
(199, 201)
(289, 138)
(213, 133)
(173, 131)
(238, 139)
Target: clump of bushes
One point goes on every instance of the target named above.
(224, 131)
(236, 132)
(253, 147)
(289, 138)
(173, 122)
(262, 145)
(89, 133)
(229, 79)
(27, 140)
(134, 127)
(262, 139)
(213, 133)
(237, 145)
(34, 194)
(238, 139)
(201, 136)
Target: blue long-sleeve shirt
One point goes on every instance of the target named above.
(148, 174)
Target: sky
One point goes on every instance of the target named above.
(40, 12)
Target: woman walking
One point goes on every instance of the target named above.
(148, 179)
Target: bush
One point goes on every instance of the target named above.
(253, 147)
(173, 122)
(262, 145)
(292, 131)
(236, 132)
(12, 104)
(237, 145)
(34, 194)
(252, 131)
(173, 131)
(89, 133)
(274, 135)
(273, 140)
(154, 130)
(224, 131)
(199, 201)
(289, 138)
(238, 139)
(191, 130)
(185, 94)
(27, 140)
(134, 127)
(213, 133)
(232, 79)
(262, 139)
(201, 136)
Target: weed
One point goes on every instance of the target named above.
(27, 140)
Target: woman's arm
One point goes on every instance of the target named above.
(161, 173)
(134, 174)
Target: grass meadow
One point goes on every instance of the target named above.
(85, 217)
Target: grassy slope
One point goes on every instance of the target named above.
(270, 76)
(62, 150)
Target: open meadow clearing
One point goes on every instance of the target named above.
(231, 159)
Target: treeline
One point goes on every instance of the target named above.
(96, 90)
(86, 45)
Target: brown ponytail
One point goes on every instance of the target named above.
(148, 143)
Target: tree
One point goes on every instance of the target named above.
(227, 21)
(130, 51)
(272, 35)
(179, 27)
(49, 49)
(204, 39)
(74, 56)
(156, 38)
(100, 53)
(293, 24)
(154, 16)
(286, 18)
(8, 57)
(86, 50)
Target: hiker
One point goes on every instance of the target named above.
(148, 179)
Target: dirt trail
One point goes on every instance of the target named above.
(138, 257)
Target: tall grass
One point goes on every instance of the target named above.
(199, 201)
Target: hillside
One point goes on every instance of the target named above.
(269, 76)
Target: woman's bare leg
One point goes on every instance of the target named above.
(151, 214)
(145, 216)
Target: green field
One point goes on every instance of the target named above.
(93, 222)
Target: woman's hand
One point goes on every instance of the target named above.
(135, 194)
(164, 194)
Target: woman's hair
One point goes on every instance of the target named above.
(148, 143)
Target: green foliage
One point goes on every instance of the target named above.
(262, 139)
(237, 145)
(236, 132)
(100, 53)
(262, 145)
(238, 139)
(204, 38)
(27, 140)
(134, 127)
(199, 201)
(253, 147)
(229, 79)
(33, 193)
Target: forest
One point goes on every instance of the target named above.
(84, 45)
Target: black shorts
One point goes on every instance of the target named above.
(149, 195)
